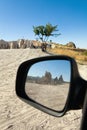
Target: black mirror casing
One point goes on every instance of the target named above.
(76, 93)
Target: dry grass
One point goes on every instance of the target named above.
(78, 54)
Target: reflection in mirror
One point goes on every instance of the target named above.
(48, 83)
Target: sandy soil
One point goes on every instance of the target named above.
(52, 96)
(17, 115)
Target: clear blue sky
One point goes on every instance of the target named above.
(55, 67)
(18, 16)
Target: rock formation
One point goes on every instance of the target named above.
(4, 44)
(71, 44)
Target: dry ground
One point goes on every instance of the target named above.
(52, 96)
(17, 115)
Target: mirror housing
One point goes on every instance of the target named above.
(75, 95)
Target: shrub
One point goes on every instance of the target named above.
(85, 53)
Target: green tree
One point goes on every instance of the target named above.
(44, 32)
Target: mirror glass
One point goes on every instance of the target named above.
(48, 83)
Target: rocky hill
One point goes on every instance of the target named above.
(21, 43)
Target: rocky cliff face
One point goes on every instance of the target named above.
(22, 43)
(4, 44)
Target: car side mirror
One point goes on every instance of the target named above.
(49, 84)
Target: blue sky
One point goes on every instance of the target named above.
(55, 67)
(18, 16)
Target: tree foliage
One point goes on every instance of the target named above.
(44, 32)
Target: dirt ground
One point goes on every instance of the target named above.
(17, 115)
(52, 96)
